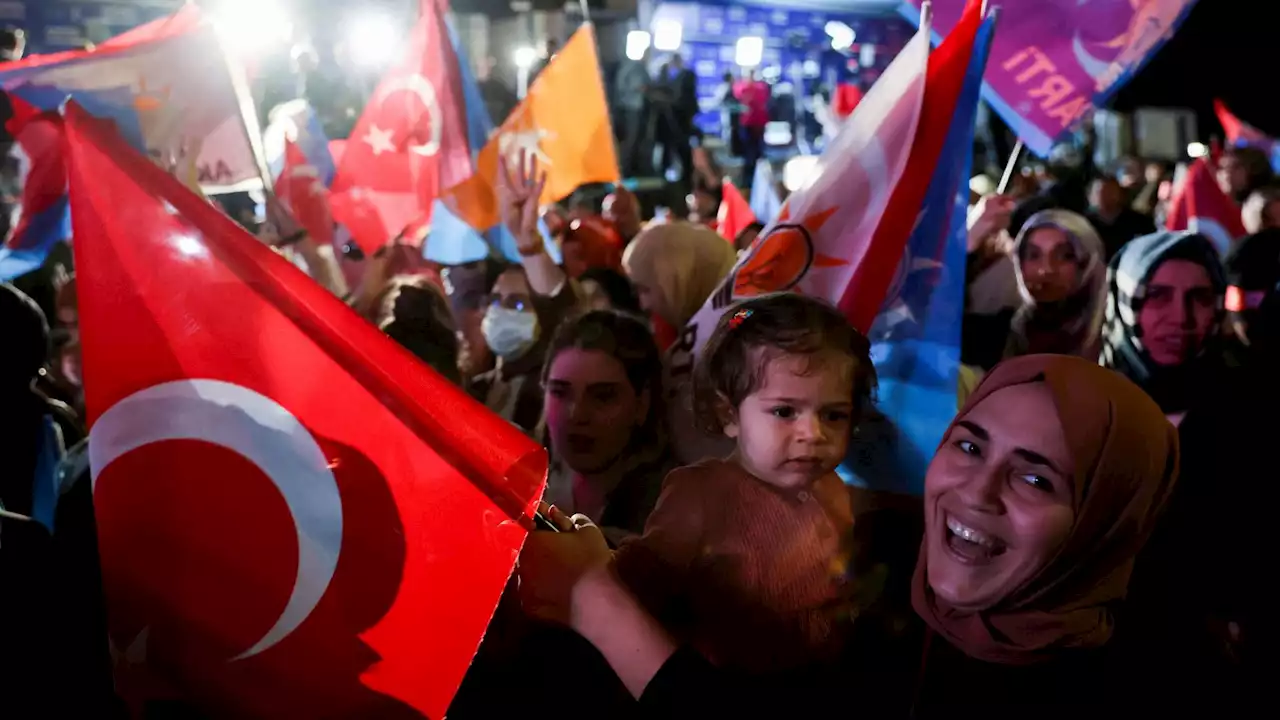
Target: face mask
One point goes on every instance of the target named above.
(509, 333)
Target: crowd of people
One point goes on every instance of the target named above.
(1091, 524)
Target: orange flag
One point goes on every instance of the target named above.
(563, 122)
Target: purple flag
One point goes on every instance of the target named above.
(1055, 60)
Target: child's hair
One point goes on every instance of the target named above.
(625, 338)
(785, 324)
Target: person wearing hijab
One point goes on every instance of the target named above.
(1044, 490)
(1061, 272)
(1202, 604)
(1164, 308)
(674, 268)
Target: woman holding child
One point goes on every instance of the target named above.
(1043, 491)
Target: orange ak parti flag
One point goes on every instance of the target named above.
(563, 122)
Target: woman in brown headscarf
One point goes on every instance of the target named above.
(1044, 489)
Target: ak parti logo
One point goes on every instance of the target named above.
(779, 259)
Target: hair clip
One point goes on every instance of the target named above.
(739, 317)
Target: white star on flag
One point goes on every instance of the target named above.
(379, 140)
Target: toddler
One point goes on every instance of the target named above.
(746, 557)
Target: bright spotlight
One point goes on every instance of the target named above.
(252, 27)
(667, 35)
(637, 43)
(525, 57)
(373, 41)
(799, 172)
(749, 51)
(1197, 150)
(842, 36)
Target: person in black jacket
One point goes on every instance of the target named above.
(54, 659)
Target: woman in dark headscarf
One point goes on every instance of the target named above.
(1061, 271)
(1198, 591)
(1164, 308)
(1045, 488)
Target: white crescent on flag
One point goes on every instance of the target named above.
(235, 417)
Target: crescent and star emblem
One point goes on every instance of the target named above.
(382, 140)
(235, 418)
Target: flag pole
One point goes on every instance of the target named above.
(248, 112)
(1010, 167)
(6, 515)
(586, 12)
(926, 15)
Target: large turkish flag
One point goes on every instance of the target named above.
(296, 517)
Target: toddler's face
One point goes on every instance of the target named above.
(795, 427)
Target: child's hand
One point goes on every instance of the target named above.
(551, 564)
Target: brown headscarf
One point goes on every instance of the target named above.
(1126, 460)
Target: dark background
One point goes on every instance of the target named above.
(1227, 49)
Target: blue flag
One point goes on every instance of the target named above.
(452, 241)
(479, 124)
(915, 341)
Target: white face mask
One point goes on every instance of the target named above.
(509, 333)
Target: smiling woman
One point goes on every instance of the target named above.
(1045, 489)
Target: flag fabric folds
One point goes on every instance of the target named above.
(1056, 60)
(1199, 205)
(451, 240)
(43, 215)
(166, 85)
(916, 337)
(735, 213)
(296, 517)
(1242, 134)
(410, 141)
(815, 243)
(300, 187)
(764, 200)
(865, 291)
(296, 122)
(563, 122)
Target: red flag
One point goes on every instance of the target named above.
(1199, 205)
(409, 142)
(301, 191)
(1240, 132)
(296, 518)
(735, 213)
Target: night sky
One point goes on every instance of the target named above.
(1229, 49)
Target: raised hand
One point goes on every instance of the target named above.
(519, 193)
